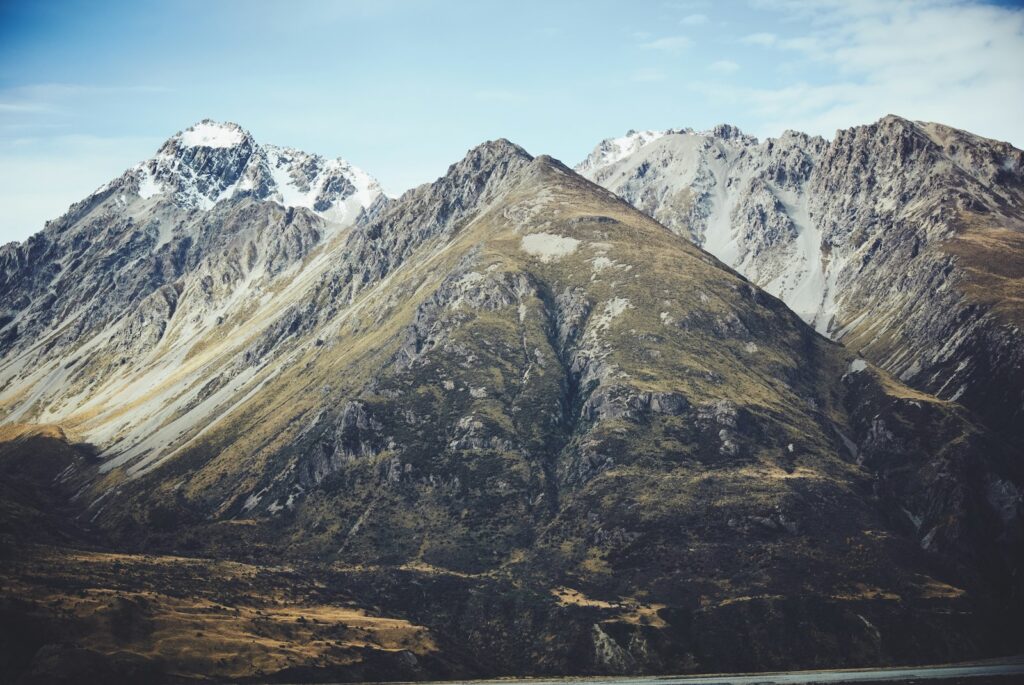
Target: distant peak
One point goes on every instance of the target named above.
(890, 125)
(497, 149)
(611, 150)
(890, 119)
(212, 161)
(213, 134)
(730, 132)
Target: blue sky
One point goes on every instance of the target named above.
(404, 88)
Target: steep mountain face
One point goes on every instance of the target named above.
(506, 414)
(902, 240)
(113, 299)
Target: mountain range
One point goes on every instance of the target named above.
(901, 240)
(700, 391)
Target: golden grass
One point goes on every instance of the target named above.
(862, 591)
(256, 628)
(993, 257)
(567, 596)
(930, 588)
(19, 431)
(629, 610)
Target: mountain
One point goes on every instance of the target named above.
(212, 161)
(902, 240)
(111, 299)
(504, 424)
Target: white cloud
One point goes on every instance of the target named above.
(694, 20)
(763, 39)
(954, 62)
(667, 44)
(23, 107)
(810, 45)
(62, 97)
(723, 66)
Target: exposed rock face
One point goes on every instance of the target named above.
(211, 162)
(112, 298)
(901, 239)
(528, 418)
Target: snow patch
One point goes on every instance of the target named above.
(857, 365)
(148, 186)
(211, 134)
(548, 246)
(614, 150)
(296, 187)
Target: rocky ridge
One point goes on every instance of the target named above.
(111, 299)
(901, 239)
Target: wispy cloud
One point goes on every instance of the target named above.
(62, 90)
(723, 66)
(763, 39)
(958, 63)
(694, 20)
(667, 44)
(62, 98)
(23, 107)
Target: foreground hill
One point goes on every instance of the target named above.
(531, 426)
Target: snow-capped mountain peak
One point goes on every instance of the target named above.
(301, 179)
(213, 161)
(212, 134)
(611, 150)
